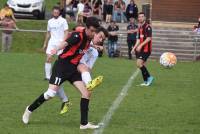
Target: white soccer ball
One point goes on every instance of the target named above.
(168, 59)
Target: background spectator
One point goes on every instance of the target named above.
(75, 8)
(119, 11)
(105, 9)
(112, 39)
(97, 8)
(7, 23)
(132, 10)
(109, 11)
(197, 28)
(80, 6)
(87, 12)
(6, 11)
(132, 29)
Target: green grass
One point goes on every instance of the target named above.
(170, 106)
(29, 41)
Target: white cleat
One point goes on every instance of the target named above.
(89, 126)
(145, 84)
(26, 116)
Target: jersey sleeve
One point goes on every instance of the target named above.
(48, 27)
(149, 31)
(65, 25)
(73, 39)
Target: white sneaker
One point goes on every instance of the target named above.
(26, 116)
(89, 126)
(144, 84)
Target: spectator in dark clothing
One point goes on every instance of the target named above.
(109, 11)
(197, 27)
(132, 10)
(105, 9)
(132, 30)
(112, 39)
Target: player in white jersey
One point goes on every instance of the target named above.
(86, 64)
(57, 30)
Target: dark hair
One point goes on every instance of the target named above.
(141, 13)
(56, 8)
(102, 29)
(92, 21)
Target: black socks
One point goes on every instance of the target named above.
(145, 73)
(84, 110)
(37, 103)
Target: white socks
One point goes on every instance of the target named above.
(47, 70)
(86, 77)
(61, 94)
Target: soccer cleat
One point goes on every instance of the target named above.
(26, 116)
(144, 84)
(65, 107)
(150, 80)
(89, 126)
(94, 83)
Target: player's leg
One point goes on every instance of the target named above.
(48, 66)
(65, 101)
(50, 93)
(86, 77)
(84, 106)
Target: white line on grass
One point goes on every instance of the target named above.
(107, 117)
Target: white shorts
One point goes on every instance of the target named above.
(51, 46)
(90, 57)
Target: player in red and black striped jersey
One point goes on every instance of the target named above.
(65, 68)
(142, 48)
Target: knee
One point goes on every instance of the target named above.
(49, 59)
(86, 94)
(50, 93)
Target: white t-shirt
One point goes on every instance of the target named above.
(90, 57)
(80, 7)
(56, 27)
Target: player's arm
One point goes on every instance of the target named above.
(47, 37)
(72, 40)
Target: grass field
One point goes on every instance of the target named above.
(170, 106)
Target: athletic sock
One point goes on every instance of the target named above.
(39, 101)
(61, 94)
(86, 77)
(47, 70)
(84, 110)
(145, 73)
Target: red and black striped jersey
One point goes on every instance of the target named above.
(145, 31)
(78, 44)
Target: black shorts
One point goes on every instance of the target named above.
(142, 55)
(62, 71)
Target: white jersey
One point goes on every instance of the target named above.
(90, 57)
(56, 27)
(80, 7)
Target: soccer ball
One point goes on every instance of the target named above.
(168, 59)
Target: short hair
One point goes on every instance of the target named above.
(141, 13)
(56, 8)
(102, 29)
(92, 21)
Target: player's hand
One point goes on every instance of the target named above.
(53, 51)
(133, 50)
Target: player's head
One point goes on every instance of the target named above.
(141, 17)
(100, 35)
(92, 23)
(56, 11)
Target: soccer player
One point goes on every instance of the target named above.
(85, 65)
(57, 30)
(65, 68)
(142, 48)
